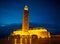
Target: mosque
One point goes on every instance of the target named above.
(27, 32)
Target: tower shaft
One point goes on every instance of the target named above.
(25, 24)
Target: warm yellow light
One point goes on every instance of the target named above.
(41, 33)
(26, 7)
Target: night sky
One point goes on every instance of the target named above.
(43, 12)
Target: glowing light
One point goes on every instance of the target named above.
(20, 40)
(26, 7)
(15, 41)
(30, 41)
(41, 33)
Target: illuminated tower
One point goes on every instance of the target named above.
(25, 24)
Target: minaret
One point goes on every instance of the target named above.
(25, 24)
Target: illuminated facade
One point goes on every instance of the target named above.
(25, 35)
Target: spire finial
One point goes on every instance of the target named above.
(26, 7)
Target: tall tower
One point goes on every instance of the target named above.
(25, 24)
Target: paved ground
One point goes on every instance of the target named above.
(53, 40)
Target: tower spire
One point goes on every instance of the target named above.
(25, 24)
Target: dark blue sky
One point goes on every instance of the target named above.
(40, 12)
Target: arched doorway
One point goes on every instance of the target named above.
(34, 39)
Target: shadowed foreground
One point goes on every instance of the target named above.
(52, 40)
